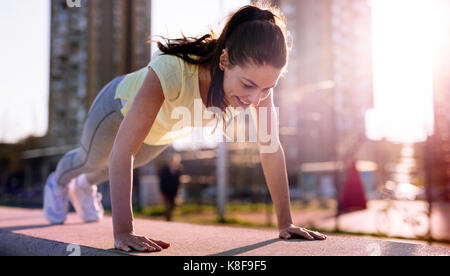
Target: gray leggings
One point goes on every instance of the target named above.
(97, 139)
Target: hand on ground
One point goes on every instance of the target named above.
(129, 241)
(295, 231)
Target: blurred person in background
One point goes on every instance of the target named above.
(169, 182)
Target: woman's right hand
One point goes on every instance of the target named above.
(129, 241)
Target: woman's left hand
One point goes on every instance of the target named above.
(292, 230)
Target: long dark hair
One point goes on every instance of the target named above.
(255, 33)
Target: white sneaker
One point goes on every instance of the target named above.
(85, 199)
(56, 201)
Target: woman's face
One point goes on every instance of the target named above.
(249, 84)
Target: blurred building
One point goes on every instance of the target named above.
(328, 86)
(438, 145)
(90, 45)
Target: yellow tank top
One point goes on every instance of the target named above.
(180, 84)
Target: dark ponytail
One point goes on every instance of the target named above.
(255, 33)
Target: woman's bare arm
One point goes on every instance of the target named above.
(132, 132)
(273, 162)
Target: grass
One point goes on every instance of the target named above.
(190, 208)
(206, 214)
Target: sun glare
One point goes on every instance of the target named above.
(403, 36)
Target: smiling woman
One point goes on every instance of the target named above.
(26, 110)
(191, 20)
(250, 84)
(208, 69)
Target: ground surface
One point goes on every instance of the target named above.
(404, 219)
(26, 232)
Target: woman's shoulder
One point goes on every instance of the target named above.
(175, 62)
(161, 59)
(177, 76)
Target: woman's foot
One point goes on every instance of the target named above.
(85, 199)
(56, 201)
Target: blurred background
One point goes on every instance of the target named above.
(364, 110)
